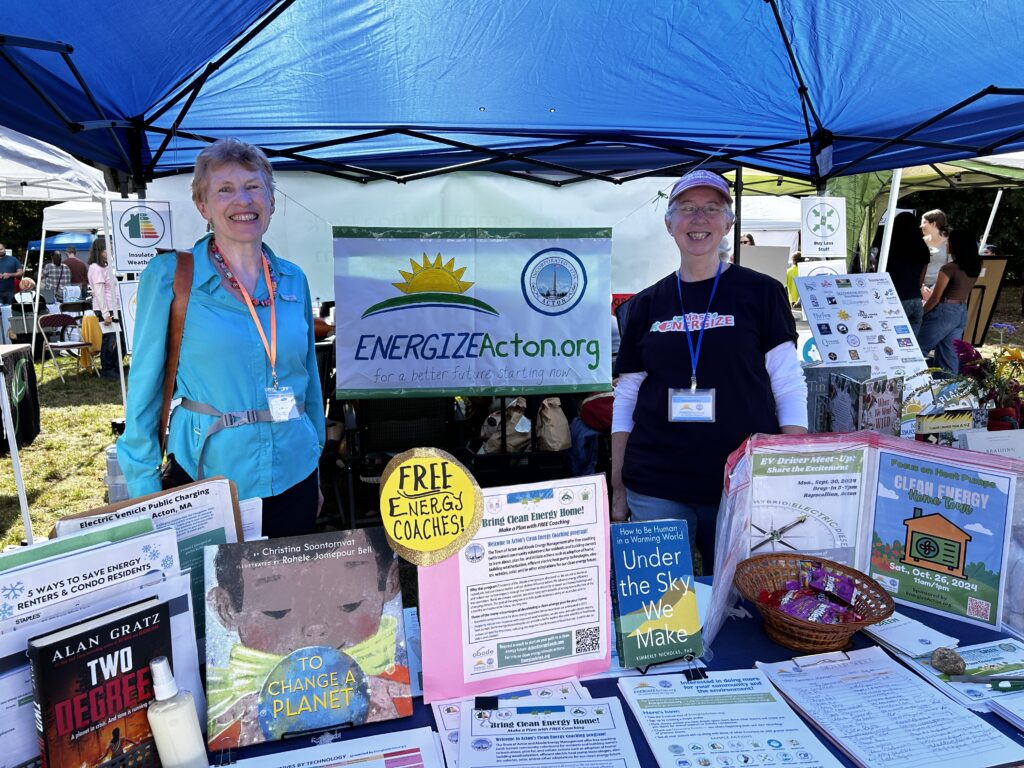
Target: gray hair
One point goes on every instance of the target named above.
(223, 152)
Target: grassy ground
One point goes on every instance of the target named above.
(64, 468)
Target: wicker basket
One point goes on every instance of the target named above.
(770, 572)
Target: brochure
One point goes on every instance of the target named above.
(732, 718)
(908, 636)
(533, 593)
(873, 405)
(104, 534)
(540, 733)
(1004, 658)
(416, 748)
(447, 714)
(883, 716)
(25, 591)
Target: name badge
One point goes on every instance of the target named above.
(281, 402)
(691, 405)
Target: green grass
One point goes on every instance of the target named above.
(64, 467)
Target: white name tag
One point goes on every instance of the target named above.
(691, 405)
(281, 402)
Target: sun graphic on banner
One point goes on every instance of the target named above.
(427, 277)
(436, 284)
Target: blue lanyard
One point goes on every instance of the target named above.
(695, 354)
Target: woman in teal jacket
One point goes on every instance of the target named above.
(251, 405)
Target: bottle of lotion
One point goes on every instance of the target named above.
(174, 722)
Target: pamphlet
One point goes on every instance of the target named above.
(102, 534)
(540, 733)
(1003, 658)
(532, 591)
(908, 636)
(447, 714)
(1007, 442)
(414, 748)
(883, 716)
(732, 718)
(875, 404)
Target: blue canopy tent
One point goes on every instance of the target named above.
(598, 89)
(59, 242)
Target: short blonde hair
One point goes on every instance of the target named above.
(230, 150)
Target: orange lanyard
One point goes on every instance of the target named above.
(271, 348)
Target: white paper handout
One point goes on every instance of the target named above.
(413, 748)
(732, 718)
(1004, 658)
(908, 636)
(883, 716)
(538, 732)
(447, 714)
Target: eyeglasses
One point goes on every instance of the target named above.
(689, 209)
(744, 241)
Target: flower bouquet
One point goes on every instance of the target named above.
(995, 380)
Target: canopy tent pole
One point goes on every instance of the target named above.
(12, 442)
(890, 214)
(39, 286)
(739, 217)
(991, 218)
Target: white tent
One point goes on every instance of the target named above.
(33, 170)
(75, 216)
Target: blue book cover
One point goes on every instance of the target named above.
(655, 604)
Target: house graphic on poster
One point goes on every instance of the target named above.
(933, 542)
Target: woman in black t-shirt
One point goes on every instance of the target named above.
(908, 261)
(707, 357)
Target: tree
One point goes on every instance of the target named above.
(20, 221)
(970, 209)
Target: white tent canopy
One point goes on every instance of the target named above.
(33, 170)
(74, 216)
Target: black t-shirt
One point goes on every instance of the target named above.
(906, 278)
(749, 316)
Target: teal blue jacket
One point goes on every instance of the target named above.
(223, 364)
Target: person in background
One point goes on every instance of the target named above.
(935, 229)
(945, 312)
(708, 333)
(104, 301)
(79, 271)
(791, 275)
(26, 291)
(11, 271)
(746, 239)
(251, 406)
(990, 251)
(907, 264)
(55, 276)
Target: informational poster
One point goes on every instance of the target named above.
(808, 501)
(731, 718)
(128, 293)
(538, 733)
(527, 600)
(823, 226)
(139, 227)
(859, 319)
(940, 536)
(471, 311)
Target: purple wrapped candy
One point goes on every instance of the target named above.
(833, 584)
(812, 609)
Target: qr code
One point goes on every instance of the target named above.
(588, 639)
(976, 609)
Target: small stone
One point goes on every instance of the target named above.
(948, 662)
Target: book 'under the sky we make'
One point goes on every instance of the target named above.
(655, 604)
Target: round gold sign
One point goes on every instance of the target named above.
(430, 504)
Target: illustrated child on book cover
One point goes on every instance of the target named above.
(303, 634)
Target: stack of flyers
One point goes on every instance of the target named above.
(909, 637)
(999, 659)
(1010, 708)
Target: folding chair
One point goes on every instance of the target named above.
(55, 332)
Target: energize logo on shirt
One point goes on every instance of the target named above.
(693, 320)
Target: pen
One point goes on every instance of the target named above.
(998, 682)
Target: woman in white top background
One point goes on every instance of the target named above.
(935, 229)
(104, 301)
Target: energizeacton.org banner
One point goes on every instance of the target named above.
(452, 311)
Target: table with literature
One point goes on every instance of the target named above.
(739, 644)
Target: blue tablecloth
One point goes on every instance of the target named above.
(740, 643)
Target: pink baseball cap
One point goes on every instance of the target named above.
(701, 179)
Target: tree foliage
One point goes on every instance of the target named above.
(970, 209)
(20, 221)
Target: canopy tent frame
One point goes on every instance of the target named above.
(451, 148)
